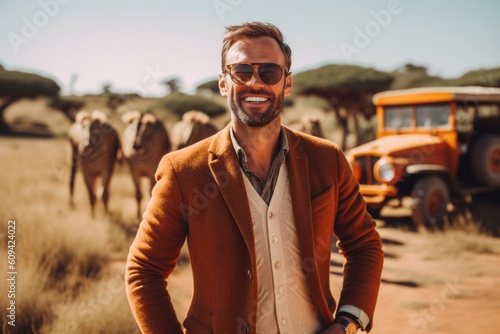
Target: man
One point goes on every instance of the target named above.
(258, 204)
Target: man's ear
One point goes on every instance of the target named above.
(222, 85)
(288, 84)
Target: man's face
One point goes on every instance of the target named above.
(255, 103)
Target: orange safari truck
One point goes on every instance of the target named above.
(435, 145)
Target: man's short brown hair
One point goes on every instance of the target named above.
(254, 30)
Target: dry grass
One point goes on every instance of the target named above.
(457, 242)
(55, 263)
(62, 255)
(467, 232)
(102, 308)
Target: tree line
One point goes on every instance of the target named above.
(346, 89)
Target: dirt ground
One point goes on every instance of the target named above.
(423, 291)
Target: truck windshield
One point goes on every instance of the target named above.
(397, 117)
(432, 115)
(426, 116)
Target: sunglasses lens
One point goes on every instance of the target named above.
(270, 73)
(242, 73)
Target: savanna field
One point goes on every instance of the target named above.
(70, 267)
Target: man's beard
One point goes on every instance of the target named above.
(257, 119)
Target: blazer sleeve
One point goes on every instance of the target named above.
(359, 242)
(153, 255)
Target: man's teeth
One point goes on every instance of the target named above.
(255, 99)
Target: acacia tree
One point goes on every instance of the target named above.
(410, 76)
(115, 100)
(173, 84)
(484, 77)
(211, 86)
(348, 89)
(15, 85)
(69, 105)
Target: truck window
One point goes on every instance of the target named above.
(397, 117)
(432, 115)
(464, 118)
(488, 110)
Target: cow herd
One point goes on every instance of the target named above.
(96, 146)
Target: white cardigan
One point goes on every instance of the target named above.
(284, 302)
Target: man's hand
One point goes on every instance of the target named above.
(334, 328)
(337, 328)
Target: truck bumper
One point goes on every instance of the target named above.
(377, 195)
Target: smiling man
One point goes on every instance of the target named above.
(259, 205)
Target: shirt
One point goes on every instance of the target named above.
(265, 188)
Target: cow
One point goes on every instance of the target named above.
(193, 127)
(144, 142)
(94, 147)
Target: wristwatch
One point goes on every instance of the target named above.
(350, 327)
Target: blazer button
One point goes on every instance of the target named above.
(249, 273)
(245, 328)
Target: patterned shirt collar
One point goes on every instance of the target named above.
(265, 188)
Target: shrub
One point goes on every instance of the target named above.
(55, 262)
(69, 105)
(103, 308)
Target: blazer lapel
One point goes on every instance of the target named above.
(298, 171)
(225, 168)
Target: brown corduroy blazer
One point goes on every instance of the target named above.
(200, 196)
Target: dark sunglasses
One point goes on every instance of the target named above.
(242, 73)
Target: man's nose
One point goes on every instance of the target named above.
(255, 80)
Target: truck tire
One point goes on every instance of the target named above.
(485, 161)
(430, 199)
(373, 210)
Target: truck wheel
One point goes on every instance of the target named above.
(374, 211)
(485, 161)
(430, 198)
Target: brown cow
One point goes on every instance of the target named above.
(144, 142)
(94, 147)
(193, 127)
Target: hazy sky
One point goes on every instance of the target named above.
(134, 44)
